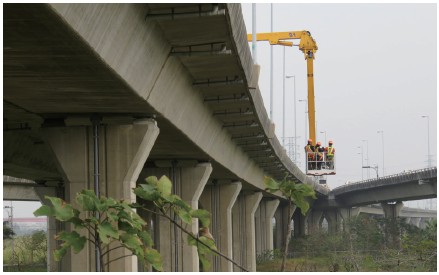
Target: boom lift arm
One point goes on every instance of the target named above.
(308, 46)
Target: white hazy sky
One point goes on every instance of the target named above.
(375, 69)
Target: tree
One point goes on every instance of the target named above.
(294, 193)
(107, 222)
(8, 233)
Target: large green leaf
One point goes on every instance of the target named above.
(147, 192)
(154, 258)
(146, 238)
(44, 210)
(164, 185)
(59, 253)
(61, 210)
(184, 216)
(107, 231)
(202, 215)
(72, 239)
(131, 241)
(87, 200)
(271, 184)
(152, 180)
(181, 203)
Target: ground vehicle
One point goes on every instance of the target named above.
(308, 46)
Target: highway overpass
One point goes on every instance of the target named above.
(140, 90)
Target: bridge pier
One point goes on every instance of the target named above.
(263, 225)
(334, 220)
(299, 224)
(243, 215)
(218, 198)
(391, 212)
(282, 220)
(314, 219)
(415, 221)
(123, 152)
(189, 180)
(347, 214)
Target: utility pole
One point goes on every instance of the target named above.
(382, 141)
(12, 229)
(428, 140)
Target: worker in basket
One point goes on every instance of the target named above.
(329, 152)
(319, 155)
(309, 151)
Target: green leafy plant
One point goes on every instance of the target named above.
(107, 221)
(159, 192)
(296, 194)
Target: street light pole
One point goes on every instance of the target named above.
(305, 136)
(367, 156)
(295, 120)
(12, 229)
(362, 164)
(428, 140)
(374, 168)
(382, 141)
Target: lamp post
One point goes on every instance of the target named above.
(374, 168)
(305, 136)
(367, 156)
(295, 120)
(428, 140)
(382, 141)
(306, 111)
(362, 177)
(11, 215)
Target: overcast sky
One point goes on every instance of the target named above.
(375, 69)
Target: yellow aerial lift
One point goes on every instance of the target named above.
(308, 46)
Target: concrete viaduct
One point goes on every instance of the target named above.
(147, 89)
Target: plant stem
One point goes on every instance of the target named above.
(106, 252)
(196, 237)
(287, 237)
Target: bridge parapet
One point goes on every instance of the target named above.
(421, 175)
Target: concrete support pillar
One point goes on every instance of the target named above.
(314, 217)
(189, 179)
(282, 221)
(347, 214)
(334, 220)
(263, 225)
(415, 221)
(271, 207)
(251, 204)
(193, 180)
(299, 224)
(423, 222)
(391, 212)
(243, 215)
(218, 198)
(123, 152)
(53, 227)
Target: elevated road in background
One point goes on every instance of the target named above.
(414, 185)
